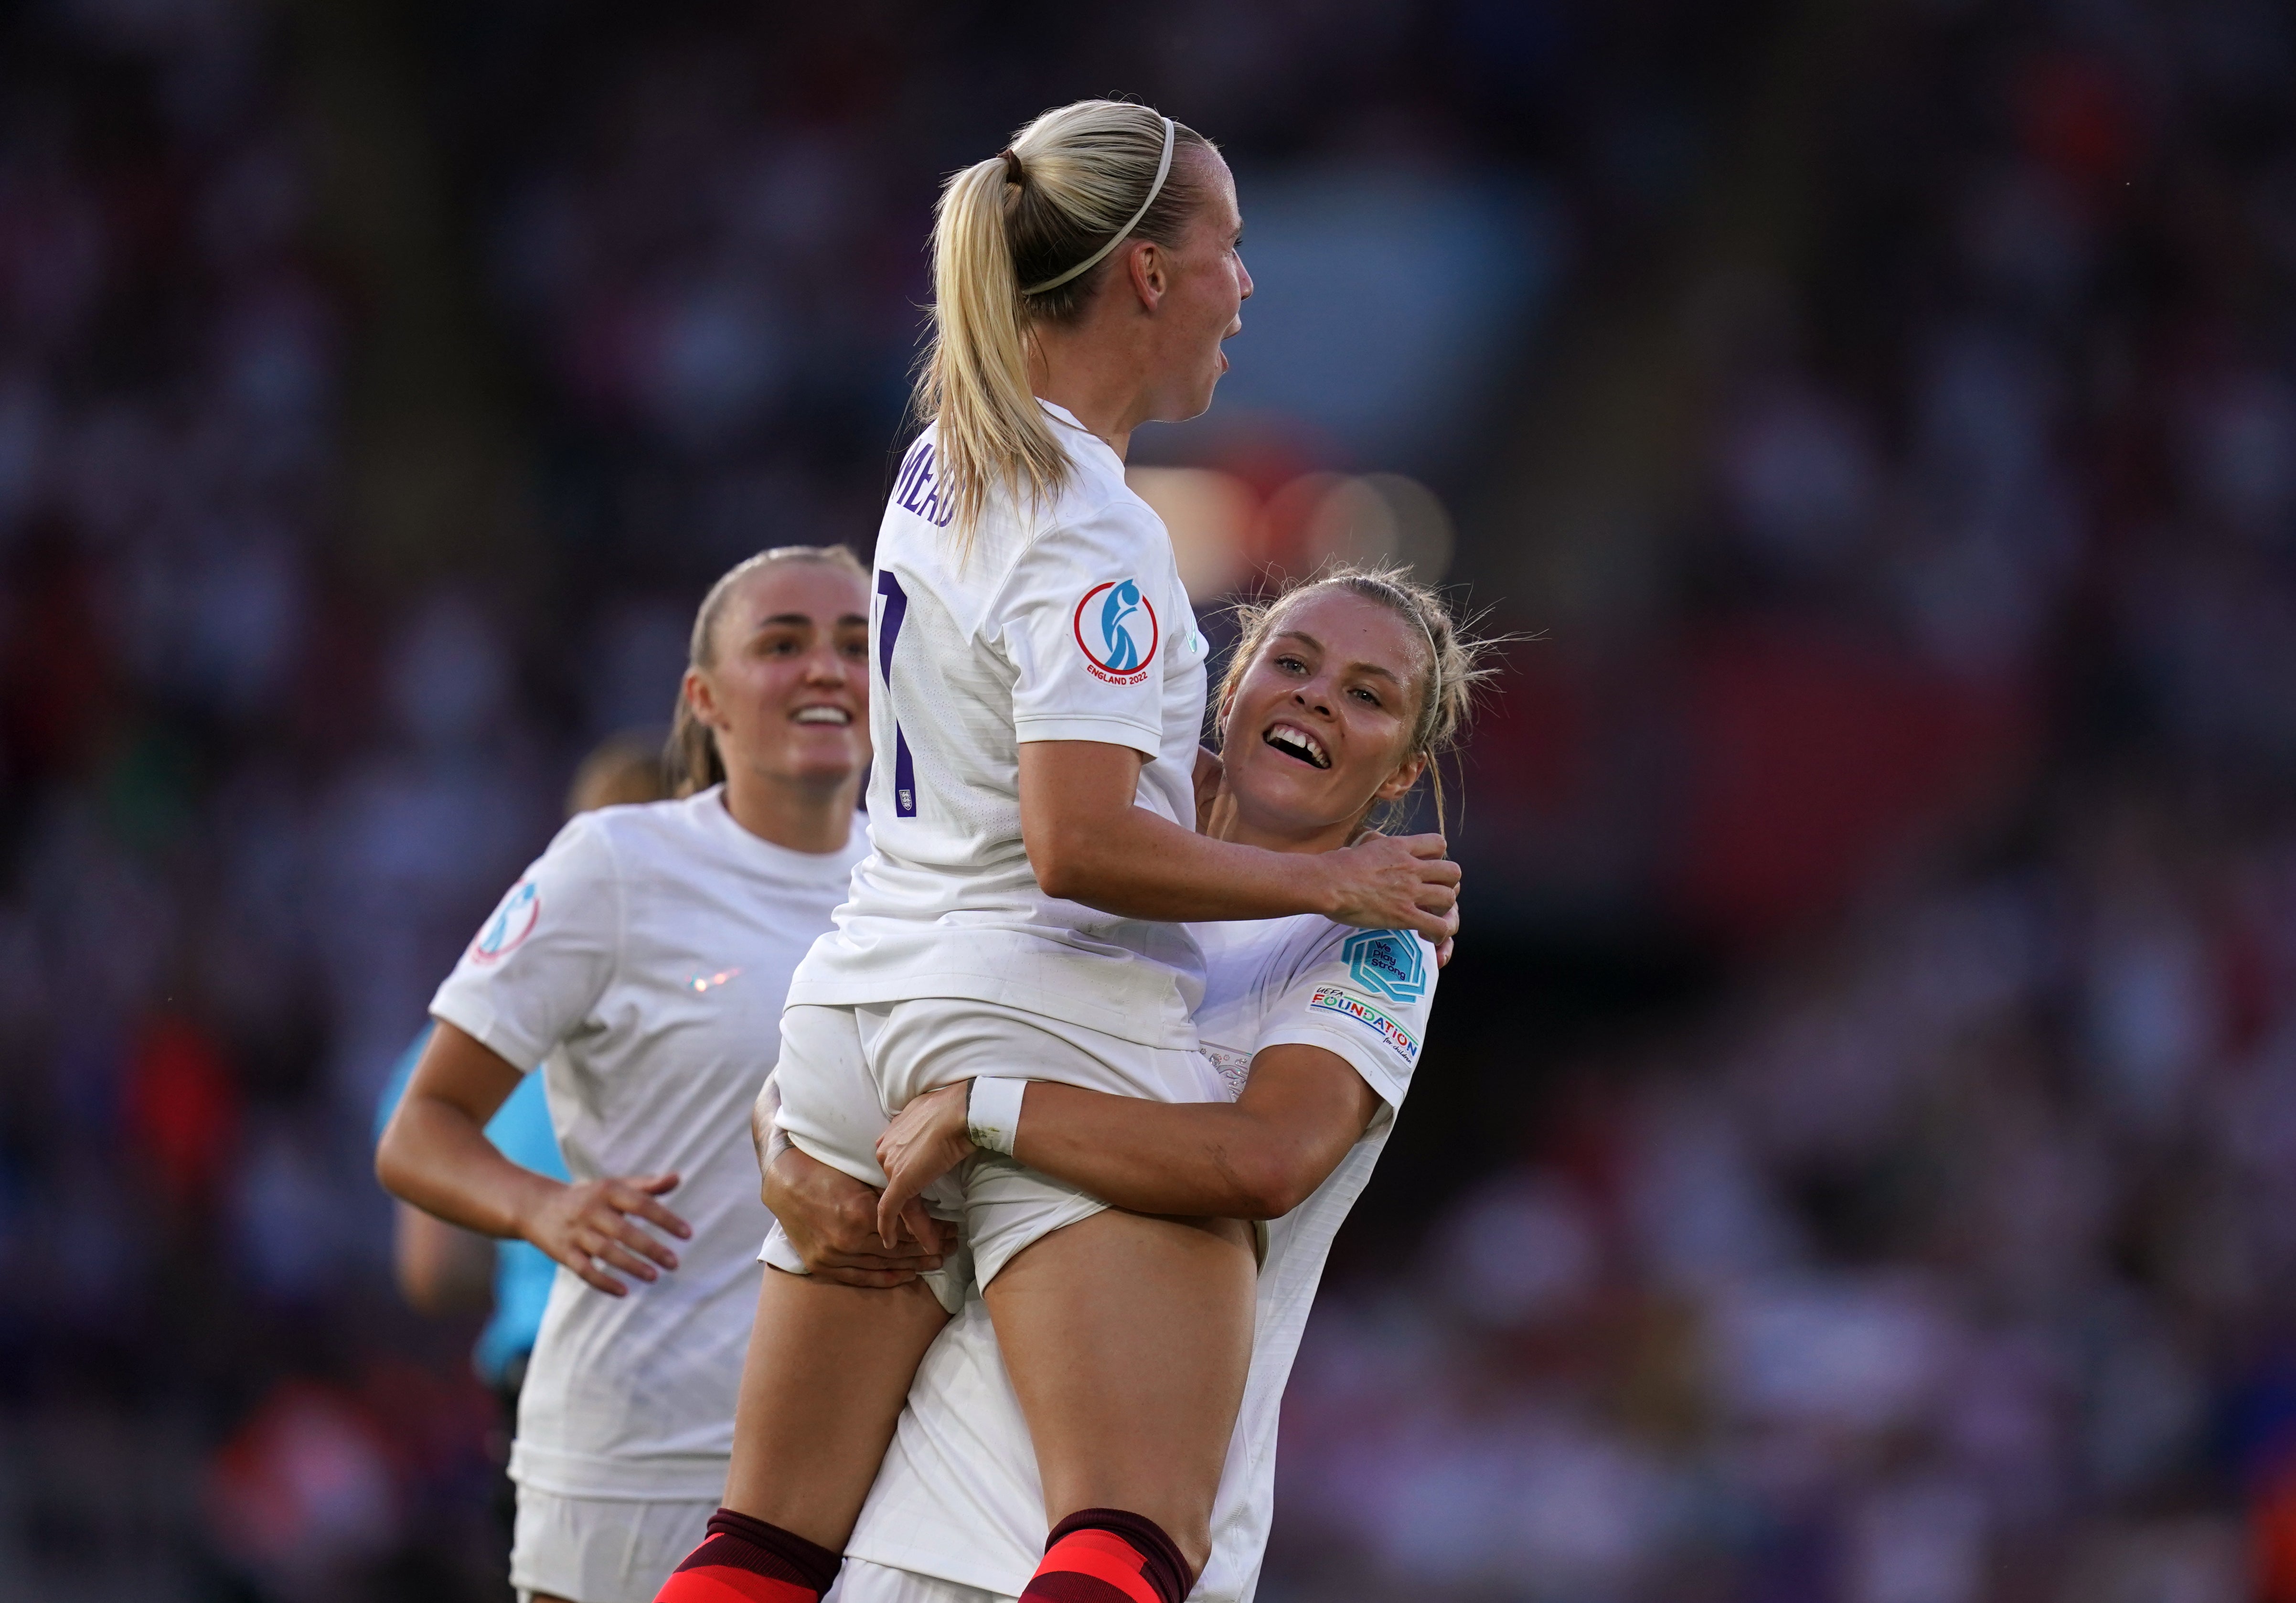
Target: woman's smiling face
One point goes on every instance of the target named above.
(787, 692)
(1319, 728)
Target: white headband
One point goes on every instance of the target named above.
(1163, 172)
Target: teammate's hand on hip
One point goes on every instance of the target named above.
(925, 1140)
(588, 1223)
(831, 1219)
(1393, 883)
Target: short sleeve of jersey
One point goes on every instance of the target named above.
(1083, 619)
(1363, 994)
(543, 958)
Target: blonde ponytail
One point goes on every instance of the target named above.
(1023, 239)
(976, 380)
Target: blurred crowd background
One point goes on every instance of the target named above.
(1856, 1158)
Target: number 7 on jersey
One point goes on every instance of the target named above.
(896, 613)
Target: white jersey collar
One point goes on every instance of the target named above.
(1062, 414)
(709, 805)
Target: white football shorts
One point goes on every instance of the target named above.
(601, 1549)
(862, 1581)
(844, 1072)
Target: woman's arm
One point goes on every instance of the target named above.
(1088, 842)
(1256, 1157)
(435, 1154)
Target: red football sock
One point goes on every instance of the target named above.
(746, 1560)
(1108, 1556)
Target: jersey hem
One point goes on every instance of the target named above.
(691, 1479)
(958, 985)
(934, 1563)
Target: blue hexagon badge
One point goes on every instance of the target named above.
(1388, 962)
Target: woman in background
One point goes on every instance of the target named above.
(444, 1270)
(643, 961)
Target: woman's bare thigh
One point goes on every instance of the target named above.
(1128, 1339)
(828, 1369)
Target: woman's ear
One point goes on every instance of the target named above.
(1210, 771)
(1399, 783)
(700, 700)
(1150, 271)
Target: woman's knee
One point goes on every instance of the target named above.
(1189, 1530)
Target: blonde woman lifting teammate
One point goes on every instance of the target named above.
(1317, 1029)
(643, 961)
(1022, 914)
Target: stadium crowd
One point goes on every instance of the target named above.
(1849, 1160)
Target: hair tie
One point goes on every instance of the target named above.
(1163, 172)
(1014, 173)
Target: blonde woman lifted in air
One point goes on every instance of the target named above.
(1023, 915)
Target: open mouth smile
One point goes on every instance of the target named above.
(835, 717)
(1296, 743)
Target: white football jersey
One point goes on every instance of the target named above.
(958, 1497)
(643, 961)
(1067, 622)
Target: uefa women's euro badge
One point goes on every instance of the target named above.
(1116, 629)
(511, 923)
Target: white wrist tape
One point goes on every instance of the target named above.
(992, 1114)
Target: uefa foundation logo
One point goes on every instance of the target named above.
(1387, 962)
(511, 923)
(1116, 631)
(1347, 1004)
